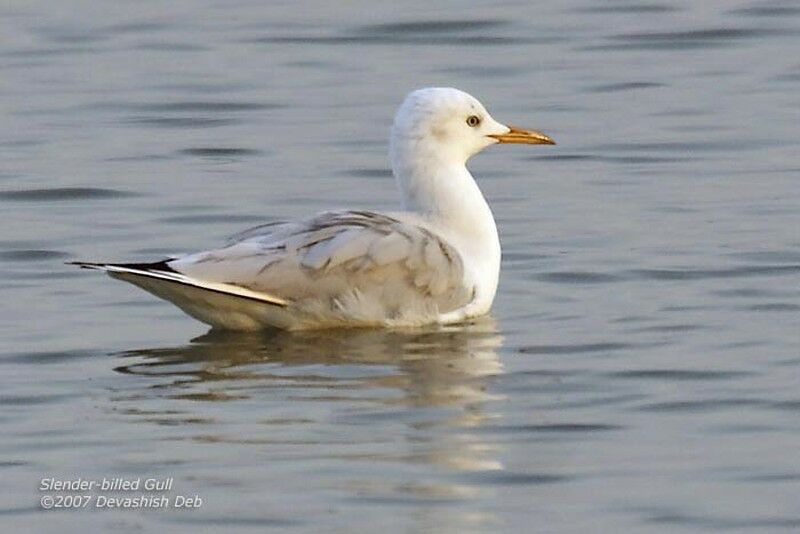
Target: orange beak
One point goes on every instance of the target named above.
(523, 137)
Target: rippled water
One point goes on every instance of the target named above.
(640, 371)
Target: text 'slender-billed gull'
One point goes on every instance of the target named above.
(438, 261)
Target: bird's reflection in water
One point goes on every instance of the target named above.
(432, 382)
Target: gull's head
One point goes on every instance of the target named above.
(450, 126)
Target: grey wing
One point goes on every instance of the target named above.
(274, 229)
(379, 260)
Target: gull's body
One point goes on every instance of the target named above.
(438, 261)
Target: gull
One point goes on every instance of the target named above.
(435, 262)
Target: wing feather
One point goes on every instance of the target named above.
(391, 248)
(340, 258)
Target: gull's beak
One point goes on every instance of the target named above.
(523, 137)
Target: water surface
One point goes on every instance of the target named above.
(639, 372)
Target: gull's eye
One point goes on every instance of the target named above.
(473, 121)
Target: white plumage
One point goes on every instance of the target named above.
(436, 262)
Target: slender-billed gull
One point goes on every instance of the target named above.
(438, 261)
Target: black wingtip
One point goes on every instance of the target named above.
(162, 266)
(84, 264)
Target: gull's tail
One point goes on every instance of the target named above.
(215, 303)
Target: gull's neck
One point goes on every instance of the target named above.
(442, 191)
(439, 187)
(435, 185)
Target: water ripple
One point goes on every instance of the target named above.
(50, 357)
(773, 307)
(669, 328)
(368, 173)
(717, 523)
(576, 349)
(573, 277)
(627, 86)
(32, 255)
(201, 106)
(65, 193)
(767, 11)
(426, 27)
(219, 152)
(678, 374)
(629, 8)
(505, 478)
(210, 218)
(770, 256)
(686, 40)
(700, 405)
(429, 32)
(29, 400)
(702, 274)
(181, 122)
(477, 40)
(773, 477)
(551, 428)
